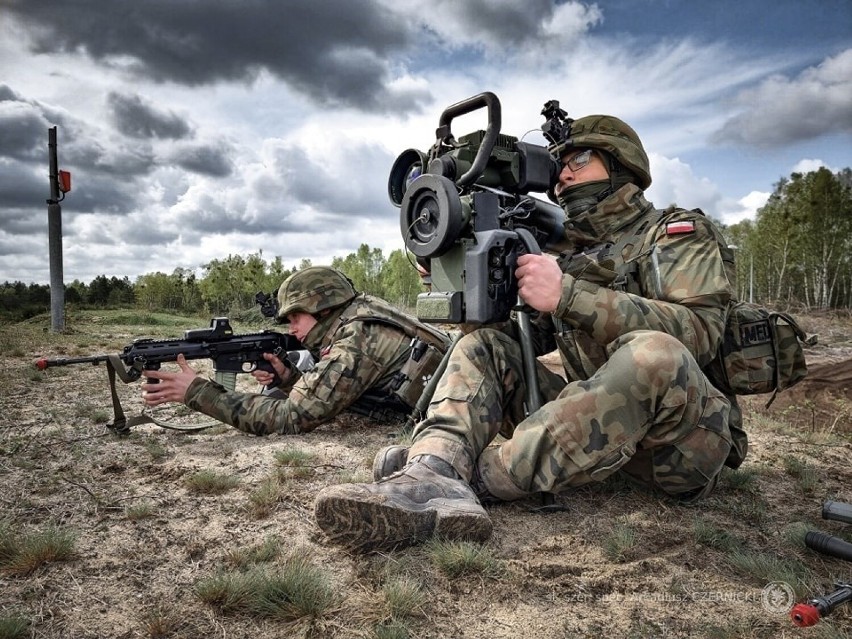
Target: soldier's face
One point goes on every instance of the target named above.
(301, 324)
(579, 167)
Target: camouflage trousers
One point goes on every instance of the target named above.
(648, 412)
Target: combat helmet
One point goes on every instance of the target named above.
(608, 133)
(312, 290)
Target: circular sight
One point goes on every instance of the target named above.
(406, 168)
(430, 216)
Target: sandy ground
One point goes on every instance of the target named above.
(59, 466)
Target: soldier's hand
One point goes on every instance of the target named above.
(539, 281)
(171, 387)
(265, 377)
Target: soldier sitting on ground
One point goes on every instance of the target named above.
(637, 310)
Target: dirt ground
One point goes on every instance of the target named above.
(137, 577)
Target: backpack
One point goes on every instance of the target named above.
(761, 349)
(761, 352)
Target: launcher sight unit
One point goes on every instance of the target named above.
(465, 211)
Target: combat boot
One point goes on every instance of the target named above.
(425, 498)
(477, 485)
(389, 460)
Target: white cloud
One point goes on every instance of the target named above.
(499, 28)
(807, 165)
(782, 110)
(674, 182)
(745, 208)
(571, 20)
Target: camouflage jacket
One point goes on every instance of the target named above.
(648, 270)
(639, 268)
(352, 356)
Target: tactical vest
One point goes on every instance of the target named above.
(761, 350)
(428, 344)
(615, 266)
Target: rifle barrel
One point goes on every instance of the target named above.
(45, 362)
(828, 545)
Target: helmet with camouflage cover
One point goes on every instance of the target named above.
(608, 133)
(312, 290)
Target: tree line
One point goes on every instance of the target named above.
(798, 249)
(226, 287)
(797, 252)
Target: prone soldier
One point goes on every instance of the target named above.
(365, 356)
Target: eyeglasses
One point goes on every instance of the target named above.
(578, 161)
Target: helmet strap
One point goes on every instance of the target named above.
(619, 175)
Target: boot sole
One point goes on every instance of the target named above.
(367, 523)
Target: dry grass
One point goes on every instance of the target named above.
(23, 552)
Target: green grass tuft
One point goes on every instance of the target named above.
(293, 457)
(457, 558)
(620, 541)
(295, 590)
(766, 568)
(137, 512)
(21, 553)
(265, 552)
(802, 472)
(264, 498)
(209, 482)
(393, 629)
(404, 596)
(14, 627)
(714, 537)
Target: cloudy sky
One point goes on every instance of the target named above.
(202, 128)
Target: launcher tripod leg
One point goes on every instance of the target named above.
(548, 502)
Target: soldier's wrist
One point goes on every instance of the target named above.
(563, 307)
(198, 389)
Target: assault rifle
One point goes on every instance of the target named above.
(231, 354)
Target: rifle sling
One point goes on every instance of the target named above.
(122, 424)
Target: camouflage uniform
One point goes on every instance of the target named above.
(355, 352)
(637, 321)
(640, 318)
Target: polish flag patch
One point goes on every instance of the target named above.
(680, 228)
